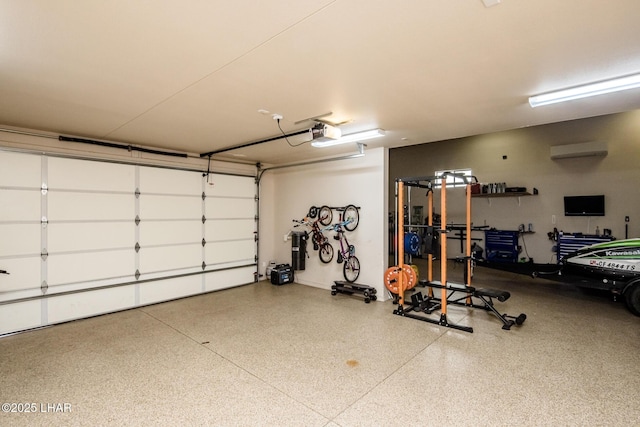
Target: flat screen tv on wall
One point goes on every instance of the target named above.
(584, 205)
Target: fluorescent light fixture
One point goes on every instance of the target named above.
(593, 89)
(352, 137)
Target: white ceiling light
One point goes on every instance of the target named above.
(593, 89)
(353, 137)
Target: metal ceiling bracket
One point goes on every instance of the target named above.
(314, 118)
(137, 193)
(137, 247)
(137, 274)
(44, 287)
(137, 220)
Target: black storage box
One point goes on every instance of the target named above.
(515, 190)
(281, 274)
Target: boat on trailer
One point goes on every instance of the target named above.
(615, 260)
(613, 266)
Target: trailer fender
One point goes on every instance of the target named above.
(631, 295)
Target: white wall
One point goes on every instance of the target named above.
(528, 164)
(288, 193)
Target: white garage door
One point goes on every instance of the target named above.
(80, 238)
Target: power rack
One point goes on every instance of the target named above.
(402, 277)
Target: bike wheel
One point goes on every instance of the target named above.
(325, 215)
(326, 253)
(351, 269)
(351, 213)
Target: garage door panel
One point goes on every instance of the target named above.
(228, 278)
(24, 273)
(19, 240)
(90, 266)
(20, 316)
(216, 230)
(163, 290)
(223, 252)
(65, 237)
(76, 306)
(230, 208)
(230, 186)
(170, 258)
(170, 207)
(20, 170)
(170, 232)
(20, 205)
(72, 206)
(85, 175)
(167, 181)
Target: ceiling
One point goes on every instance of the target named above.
(199, 76)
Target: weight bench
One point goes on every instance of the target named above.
(486, 295)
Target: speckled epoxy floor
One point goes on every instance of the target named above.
(295, 355)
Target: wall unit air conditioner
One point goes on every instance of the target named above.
(583, 149)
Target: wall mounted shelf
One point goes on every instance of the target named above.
(510, 194)
(490, 196)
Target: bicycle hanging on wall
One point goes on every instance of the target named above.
(325, 215)
(319, 240)
(346, 252)
(349, 220)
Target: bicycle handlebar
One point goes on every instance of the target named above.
(337, 226)
(299, 222)
(334, 227)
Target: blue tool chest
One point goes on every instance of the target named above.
(501, 245)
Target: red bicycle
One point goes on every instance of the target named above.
(319, 240)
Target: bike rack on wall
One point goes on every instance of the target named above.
(325, 214)
(349, 220)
